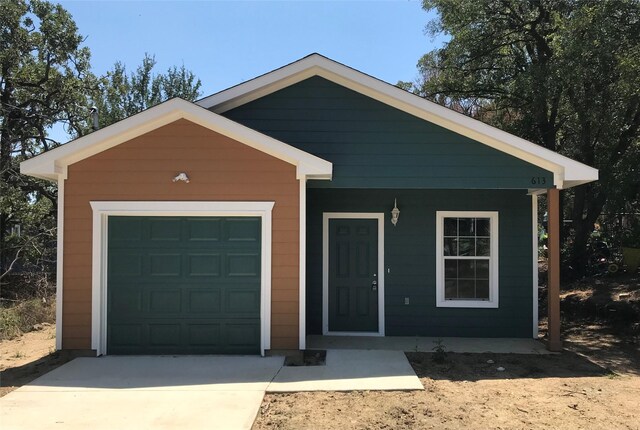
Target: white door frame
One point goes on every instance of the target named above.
(326, 216)
(102, 211)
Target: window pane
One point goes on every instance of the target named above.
(483, 247)
(483, 227)
(450, 289)
(450, 246)
(466, 243)
(466, 269)
(466, 227)
(482, 290)
(482, 269)
(450, 269)
(466, 246)
(466, 289)
(451, 226)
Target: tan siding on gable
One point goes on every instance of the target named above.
(219, 169)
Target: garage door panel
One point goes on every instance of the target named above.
(129, 264)
(204, 264)
(209, 230)
(164, 334)
(207, 301)
(125, 335)
(124, 230)
(165, 229)
(240, 301)
(242, 230)
(184, 285)
(125, 301)
(243, 265)
(165, 264)
(243, 334)
(165, 301)
(204, 334)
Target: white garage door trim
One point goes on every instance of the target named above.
(101, 212)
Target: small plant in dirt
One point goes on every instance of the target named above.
(439, 352)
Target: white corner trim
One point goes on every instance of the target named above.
(51, 163)
(60, 262)
(326, 216)
(102, 210)
(302, 274)
(534, 239)
(567, 172)
(494, 292)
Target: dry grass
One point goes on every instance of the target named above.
(21, 318)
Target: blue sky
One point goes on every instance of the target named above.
(227, 42)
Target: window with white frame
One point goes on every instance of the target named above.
(467, 259)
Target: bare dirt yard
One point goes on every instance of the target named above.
(594, 384)
(564, 391)
(27, 357)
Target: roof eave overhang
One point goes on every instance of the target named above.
(566, 172)
(53, 164)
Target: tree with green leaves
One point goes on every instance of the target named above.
(44, 79)
(121, 95)
(46, 82)
(562, 73)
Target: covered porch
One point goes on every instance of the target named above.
(408, 318)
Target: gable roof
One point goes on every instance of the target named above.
(53, 163)
(567, 172)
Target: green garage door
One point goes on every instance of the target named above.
(183, 285)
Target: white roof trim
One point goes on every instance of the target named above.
(53, 163)
(567, 172)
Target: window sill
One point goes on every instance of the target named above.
(480, 304)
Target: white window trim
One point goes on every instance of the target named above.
(101, 212)
(493, 261)
(326, 216)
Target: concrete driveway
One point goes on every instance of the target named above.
(166, 392)
(187, 392)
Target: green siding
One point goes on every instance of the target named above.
(410, 257)
(180, 285)
(373, 145)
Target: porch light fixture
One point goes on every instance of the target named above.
(395, 213)
(181, 177)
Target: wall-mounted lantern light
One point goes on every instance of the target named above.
(395, 213)
(181, 177)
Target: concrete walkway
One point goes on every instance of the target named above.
(348, 370)
(426, 344)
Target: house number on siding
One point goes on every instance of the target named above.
(538, 180)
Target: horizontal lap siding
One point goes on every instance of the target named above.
(373, 145)
(410, 257)
(219, 169)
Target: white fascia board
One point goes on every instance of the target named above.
(54, 163)
(567, 172)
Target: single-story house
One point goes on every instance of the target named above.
(312, 200)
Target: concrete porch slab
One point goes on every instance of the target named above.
(347, 370)
(426, 344)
